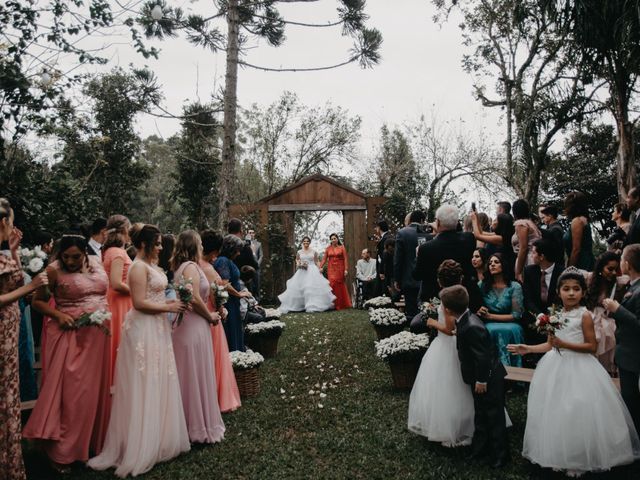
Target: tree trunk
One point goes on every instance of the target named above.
(227, 168)
(532, 185)
(626, 168)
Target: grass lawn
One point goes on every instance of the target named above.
(357, 430)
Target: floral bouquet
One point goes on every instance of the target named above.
(221, 294)
(549, 324)
(184, 292)
(430, 308)
(33, 260)
(245, 360)
(403, 346)
(378, 302)
(94, 319)
(386, 317)
(303, 265)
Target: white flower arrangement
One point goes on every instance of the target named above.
(403, 344)
(99, 317)
(245, 360)
(386, 316)
(272, 313)
(271, 327)
(378, 302)
(32, 260)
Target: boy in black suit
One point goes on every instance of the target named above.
(482, 370)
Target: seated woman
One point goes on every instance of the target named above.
(503, 306)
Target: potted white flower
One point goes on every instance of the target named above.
(386, 321)
(263, 337)
(378, 302)
(245, 368)
(272, 313)
(403, 352)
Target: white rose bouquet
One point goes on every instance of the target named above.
(386, 317)
(245, 360)
(94, 319)
(221, 294)
(33, 260)
(402, 346)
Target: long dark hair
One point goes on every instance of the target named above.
(597, 281)
(576, 204)
(507, 272)
(168, 243)
(68, 241)
(505, 229)
(336, 235)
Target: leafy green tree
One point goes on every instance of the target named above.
(259, 20)
(197, 154)
(607, 35)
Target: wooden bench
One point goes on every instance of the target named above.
(519, 374)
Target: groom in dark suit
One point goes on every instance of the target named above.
(627, 317)
(482, 370)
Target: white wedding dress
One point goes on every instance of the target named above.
(308, 290)
(576, 418)
(441, 404)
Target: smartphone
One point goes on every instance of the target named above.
(473, 206)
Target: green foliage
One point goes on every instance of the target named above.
(197, 161)
(587, 164)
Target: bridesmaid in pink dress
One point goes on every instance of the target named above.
(147, 423)
(228, 393)
(72, 411)
(192, 346)
(116, 263)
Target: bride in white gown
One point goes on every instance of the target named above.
(308, 290)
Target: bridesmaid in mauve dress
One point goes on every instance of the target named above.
(72, 411)
(337, 268)
(147, 423)
(192, 346)
(228, 393)
(116, 263)
(11, 290)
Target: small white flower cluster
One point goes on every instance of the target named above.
(245, 360)
(272, 313)
(32, 260)
(378, 302)
(386, 316)
(431, 307)
(99, 317)
(265, 326)
(403, 342)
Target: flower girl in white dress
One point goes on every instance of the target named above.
(576, 419)
(308, 290)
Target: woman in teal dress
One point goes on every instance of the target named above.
(577, 240)
(502, 307)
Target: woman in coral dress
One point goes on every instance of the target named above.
(192, 345)
(116, 263)
(147, 423)
(11, 290)
(72, 411)
(228, 393)
(335, 256)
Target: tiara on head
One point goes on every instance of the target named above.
(73, 235)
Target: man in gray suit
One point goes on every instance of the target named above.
(256, 247)
(627, 317)
(404, 260)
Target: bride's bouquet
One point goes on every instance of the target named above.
(303, 265)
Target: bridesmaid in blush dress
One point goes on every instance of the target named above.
(228, 393)
(147, 423)
(192, 346)
(335, 256)
(72, 411)
(116, 263)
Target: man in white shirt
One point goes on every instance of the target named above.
(98, 236)
(366, 273)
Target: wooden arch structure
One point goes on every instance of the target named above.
(315, 192)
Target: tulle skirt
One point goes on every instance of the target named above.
(307, 291)
(441, 404)
(576, 418)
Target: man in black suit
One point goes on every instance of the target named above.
(482, 371)
(448, 244)
(541, 280)
(383, 233)
(633, 203)
(553, 231)
(627, 317)
(404, 261)
(98, 234)
(246, 256)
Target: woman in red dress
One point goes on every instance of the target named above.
(337, 269)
